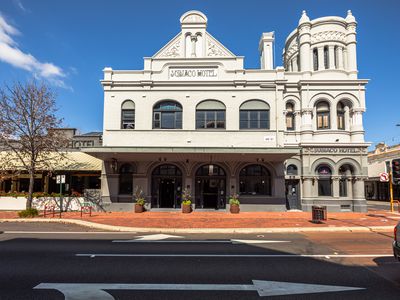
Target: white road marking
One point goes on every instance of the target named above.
(257, 241)
(201, 241)
(77, 291)
(234, 255)
(151, 237)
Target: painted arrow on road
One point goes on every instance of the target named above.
(78, 291)
(151, 237)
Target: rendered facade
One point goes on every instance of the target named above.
(281, 137)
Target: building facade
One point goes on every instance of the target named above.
(281, 137)
(81, 170)
(379, 161)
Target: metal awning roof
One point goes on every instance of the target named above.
(197, 153)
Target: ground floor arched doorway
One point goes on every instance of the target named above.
(210, 187)
(166, 186)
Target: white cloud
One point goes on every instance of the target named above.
(19, 4)
(11, 54)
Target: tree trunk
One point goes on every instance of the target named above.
(30, 192)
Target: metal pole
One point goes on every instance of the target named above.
(391, 190)
(61, 199)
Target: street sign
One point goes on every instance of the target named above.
(383, 177)
(60, 179)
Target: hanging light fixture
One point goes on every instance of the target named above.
(210, 170)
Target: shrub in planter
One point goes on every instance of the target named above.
(234, 204)
(186, 201)
(28, 213)
(140, 201)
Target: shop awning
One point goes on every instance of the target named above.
(193, 153)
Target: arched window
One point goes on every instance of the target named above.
(126, 179)
(324, 181)
(323, 118)
(254, 114)
(326, 57)
(336, 56)
(167, 115)
(128, 115)
(255, 180)
(315, 59)
(210, 114)
(291, 170)
(290, 125)
(341, 116)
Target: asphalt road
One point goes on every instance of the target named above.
(105, 265)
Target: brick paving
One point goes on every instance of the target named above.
(219, 219)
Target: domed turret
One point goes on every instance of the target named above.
(304, 18)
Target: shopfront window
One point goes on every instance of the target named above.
(324, 181)
(126, 179)
(255, 180)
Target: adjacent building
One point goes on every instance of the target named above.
(81, 170)
(282, 137)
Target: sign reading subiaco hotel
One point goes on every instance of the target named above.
(193, 73)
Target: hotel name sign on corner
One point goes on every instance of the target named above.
(193, 73)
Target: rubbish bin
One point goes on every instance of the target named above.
(318, 214)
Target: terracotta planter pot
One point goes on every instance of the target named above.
(139, 208)
(234, 209)
(186, 208)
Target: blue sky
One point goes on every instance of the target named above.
(68, 43)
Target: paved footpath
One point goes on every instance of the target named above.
(209, 221)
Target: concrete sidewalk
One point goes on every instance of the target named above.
(220, 221)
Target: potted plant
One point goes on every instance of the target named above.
(140, 201)
(186, 201)
(234, 204)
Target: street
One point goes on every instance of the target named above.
(41, 262)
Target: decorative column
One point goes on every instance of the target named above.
(357, 130)
(321, 62)
(306, 124)
(304, 42)
(348, 183)
(331, 51)
(294, 64)
(351, 43)
(340, 58)
(193, 39)
(335, 186)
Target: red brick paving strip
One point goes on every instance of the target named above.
(227, 220)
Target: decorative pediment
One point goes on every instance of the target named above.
(216, 49)
(193, 41)
(173, 49)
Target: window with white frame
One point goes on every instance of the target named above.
(167, 115)
(254, 114)
(210, 114)
(128, 115)
(323, 115)
(290, 125)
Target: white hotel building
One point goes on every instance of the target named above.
(281, 137)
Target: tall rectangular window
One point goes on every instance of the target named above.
(128, 119)
(210, 119)
(254, 119)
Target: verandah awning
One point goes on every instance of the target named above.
(194, 153)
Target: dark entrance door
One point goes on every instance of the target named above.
(167, 193)
(166, 187)
(210, 187)
(293, 194)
